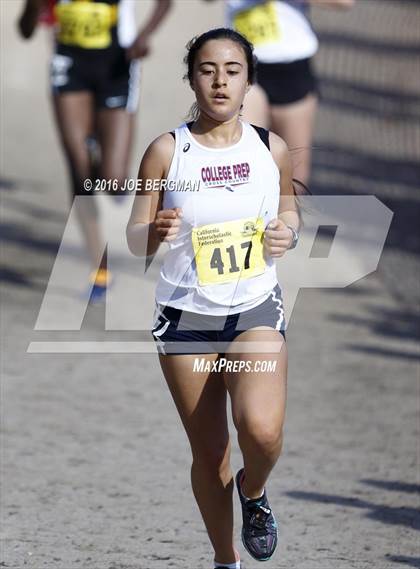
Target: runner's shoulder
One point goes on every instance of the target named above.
(161, 150)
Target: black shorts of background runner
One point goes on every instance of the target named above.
(286, 83)
(113, 80)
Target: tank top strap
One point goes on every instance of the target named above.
(264, 134)
(181, 140)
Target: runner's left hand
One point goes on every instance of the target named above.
(277, 238)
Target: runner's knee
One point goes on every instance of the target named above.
(262, 435)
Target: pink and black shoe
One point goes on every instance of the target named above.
(259, 529)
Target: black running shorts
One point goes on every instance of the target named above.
(286, 83)
(180, 332)
(106, 73)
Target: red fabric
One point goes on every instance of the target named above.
(47, 15)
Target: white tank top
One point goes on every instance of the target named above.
(228, 196)
(279, 30)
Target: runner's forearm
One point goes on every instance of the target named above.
(142, 239)
(290, 218)
(160, 10)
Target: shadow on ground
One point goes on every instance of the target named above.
(409, 561)
(405, 516)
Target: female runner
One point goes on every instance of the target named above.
(218, 294)
(95, 85)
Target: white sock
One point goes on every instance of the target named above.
(236, 565)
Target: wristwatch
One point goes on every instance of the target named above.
(295, 237)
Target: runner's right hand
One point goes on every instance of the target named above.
(167, 223)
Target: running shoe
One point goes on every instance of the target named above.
(101, 281)
(259, 529)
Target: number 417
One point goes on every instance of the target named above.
(216, 261)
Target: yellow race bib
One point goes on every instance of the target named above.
(86, 24)
(259, 24)
(229, 251)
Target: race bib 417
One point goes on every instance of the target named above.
(229, 251)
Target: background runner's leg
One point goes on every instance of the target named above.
(295, 124)
(258, 408)
(75, 117)
(200, 398)
(115, 134)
